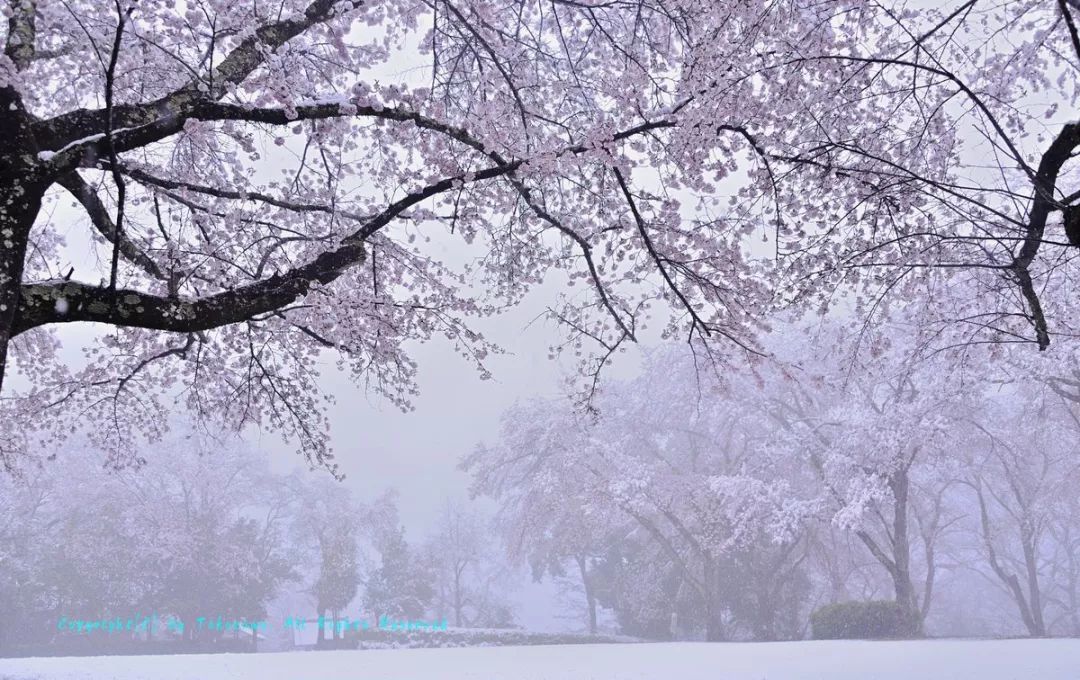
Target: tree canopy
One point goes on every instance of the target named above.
(259, 182)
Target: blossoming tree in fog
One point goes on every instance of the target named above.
(259, 182)
(731, 505)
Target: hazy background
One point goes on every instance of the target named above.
(379, 447)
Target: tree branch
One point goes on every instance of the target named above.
(238, 65)
(103, 222)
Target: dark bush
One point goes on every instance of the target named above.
(861, 621)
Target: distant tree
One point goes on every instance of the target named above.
(30, 530)
(548, 517)
(327, 526)
(467, 570)
(189, 534)
(216, 529)
(402, 586)
(339, 577)
(687, 473)
(644, 589)
(1022, 479)
(100, 564)
(875, 432)
(768, 589)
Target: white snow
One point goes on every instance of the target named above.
(90, 139)
(49, 155)
(328, 99)
(916, 660)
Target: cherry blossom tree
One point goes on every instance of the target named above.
(875, 432)
(689, 481)
(257, 189)
(259, 183)
(548, 514)
(948, 135)
(469, 577)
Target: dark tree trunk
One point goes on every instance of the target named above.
(1038, 623)
(590, 596)
(459, 604)
(21, 189)
(901, 572)
(895, 557)
(714, 630)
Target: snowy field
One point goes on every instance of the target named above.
(923, 660)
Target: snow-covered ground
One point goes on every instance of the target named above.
(923, 660)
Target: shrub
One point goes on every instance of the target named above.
(861, 620)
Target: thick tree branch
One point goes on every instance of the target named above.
(1043, 203)
(110, 148)
(1070, 23)
(68, 301)
(83, 303)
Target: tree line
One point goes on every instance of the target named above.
(200, 532)
(726, 505)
